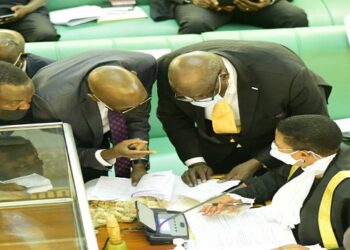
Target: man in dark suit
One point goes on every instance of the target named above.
(30, 18)
(12, 51)
(86, 91)
(262, 82)
(197, 16)
(16, 92)
(310, 193)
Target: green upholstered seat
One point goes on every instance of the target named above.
(324, 49)
(320, 13)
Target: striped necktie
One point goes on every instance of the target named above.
(119, 132)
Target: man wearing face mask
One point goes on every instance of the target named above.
(220, 102)
(312, 195)
(16, 92)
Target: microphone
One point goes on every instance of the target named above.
(200, 204)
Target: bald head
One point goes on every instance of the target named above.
(117, 87)
(195, 73)
(11, 45)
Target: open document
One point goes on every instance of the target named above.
(163, 185)
(252, 230)
(159, 185)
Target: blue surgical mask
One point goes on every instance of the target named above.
(284, 157)
(211, 102)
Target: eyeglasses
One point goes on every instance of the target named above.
(274, 146)
(140, 104)
(189, 99)
(126, 110)
(17, 60)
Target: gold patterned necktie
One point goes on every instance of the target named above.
(223, 119)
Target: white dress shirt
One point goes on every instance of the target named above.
(230, 96)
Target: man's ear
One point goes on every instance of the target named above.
(224, 75)
(92, 97)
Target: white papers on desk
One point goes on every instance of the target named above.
(75, 16)
(347, 26)
(204, 190)
(34, 183)
(117, 14)
(251, 230)
(159, 185)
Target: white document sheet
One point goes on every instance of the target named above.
(76, 15)
(159, 185)
(34, 183)
(251, 230)
(204, 190)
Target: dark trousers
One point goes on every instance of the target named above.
(35, 27)
(282, 14)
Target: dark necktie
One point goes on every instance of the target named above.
(119, 132)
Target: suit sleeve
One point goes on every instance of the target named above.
(264, 187)
(138, 119)
(179, 127)
(305, 95)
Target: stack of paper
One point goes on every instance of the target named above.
(122, 2)
(34, 183)
(75, 16)
(121, 13)
(159, 185)
(203, 191)
(249, 231)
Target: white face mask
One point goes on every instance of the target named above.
(285, 157)
(205, 104)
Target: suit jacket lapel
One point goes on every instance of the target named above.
(92, 115)
(248, 93)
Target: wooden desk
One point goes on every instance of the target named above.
(135, 240)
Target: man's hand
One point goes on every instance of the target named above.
(138, 171)
(132, 148)
(207, 4)
(197, 171)
(11, 187)
(292, 247)
(243, 171)
(218, 205)
(19, 11)
(251, 6)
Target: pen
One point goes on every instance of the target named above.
(234, 204)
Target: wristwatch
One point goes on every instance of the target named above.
(145, 162)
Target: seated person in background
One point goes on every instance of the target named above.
(30, 18)
(12, 51)
(18, 158)
(105, 96)
(197, 16)
(16, 92)
(220, 101)
(310, 194)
